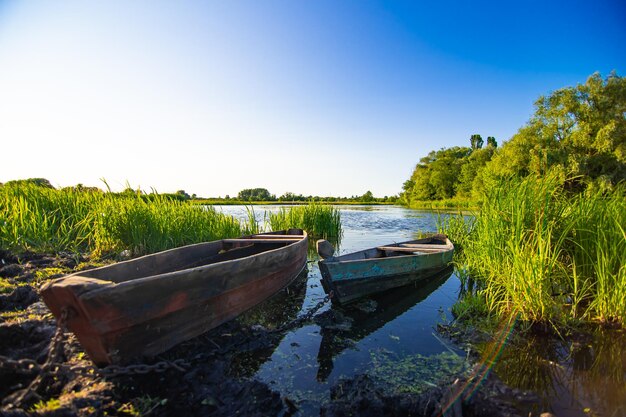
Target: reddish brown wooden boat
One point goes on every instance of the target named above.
(147, 305)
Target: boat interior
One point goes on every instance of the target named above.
(192, 256)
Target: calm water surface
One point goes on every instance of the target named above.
(382, 333)
(392, 337)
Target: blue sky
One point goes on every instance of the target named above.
(312, 97)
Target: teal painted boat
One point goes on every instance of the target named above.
(358, 274)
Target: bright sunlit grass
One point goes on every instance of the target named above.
(545, 255)
(41, 219)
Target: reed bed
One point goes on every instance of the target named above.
(320, 221)
(41, 219)
(545, 255)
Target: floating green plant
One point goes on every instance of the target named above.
(414, 373)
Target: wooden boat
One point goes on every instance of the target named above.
(369, 271)
(147, 305)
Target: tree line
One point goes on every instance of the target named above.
(245, 195)
(262, 194)
(578, 131)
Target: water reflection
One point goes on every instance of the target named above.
(575, 377)
(273, 313)
(368, 316)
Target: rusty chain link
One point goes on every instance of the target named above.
(19, 366)
(29, 366)
(54, 352)
(305, 317)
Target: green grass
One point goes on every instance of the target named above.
(320, 221)
(47, 220)
(39, 219)
(546, 255)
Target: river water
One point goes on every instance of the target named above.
(392, 337)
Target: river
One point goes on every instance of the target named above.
(392, 337)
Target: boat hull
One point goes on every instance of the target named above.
(147, 305)
(353, 278)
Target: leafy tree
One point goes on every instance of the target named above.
(471, 170)
(579, 130)
(182, 195)
(436, 175)
(367, 197)
(39, 182)
(255, 194)
(491, 141)
(476, 141)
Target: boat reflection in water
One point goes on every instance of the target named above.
(273, 313)
(364, 318)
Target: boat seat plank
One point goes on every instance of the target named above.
(423, 245)
(276, 237)
(248, 240)
(405, 249)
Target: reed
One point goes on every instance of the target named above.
(545, 255)
(143, 226)
(40, 219)
(320, 221)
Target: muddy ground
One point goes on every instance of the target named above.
(200, 382)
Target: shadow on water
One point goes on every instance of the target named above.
(367, 316)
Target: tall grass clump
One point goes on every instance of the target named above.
(320, 221)
(44, 219)
(543, 254)
(144, 226)
(40, 219)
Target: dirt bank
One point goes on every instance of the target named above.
(194, 378)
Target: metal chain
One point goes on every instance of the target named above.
(20, 366)
(54, 352)
(183, 365)
(28, 366)
(305, 317)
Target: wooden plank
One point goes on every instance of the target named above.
(295, 239)
(423, 245)
(276, 236)
(404, 249)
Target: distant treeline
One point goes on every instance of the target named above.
(179, 195)
(244, 196)
(262, 194)
(577, 131)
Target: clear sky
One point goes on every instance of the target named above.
(313, 97)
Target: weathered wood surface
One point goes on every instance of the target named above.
(259, 240)
(409, 249)
(147, 305)
(355, 275)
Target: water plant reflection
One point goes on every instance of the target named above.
(583, 373)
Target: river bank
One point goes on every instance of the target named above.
(200, 377)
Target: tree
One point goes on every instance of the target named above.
(471, 170)
(367, 197)
(182, 195)
(476, 141)
(491, 141)
(255, 194)
(39, 182)
(436, 176)
(580, 130)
